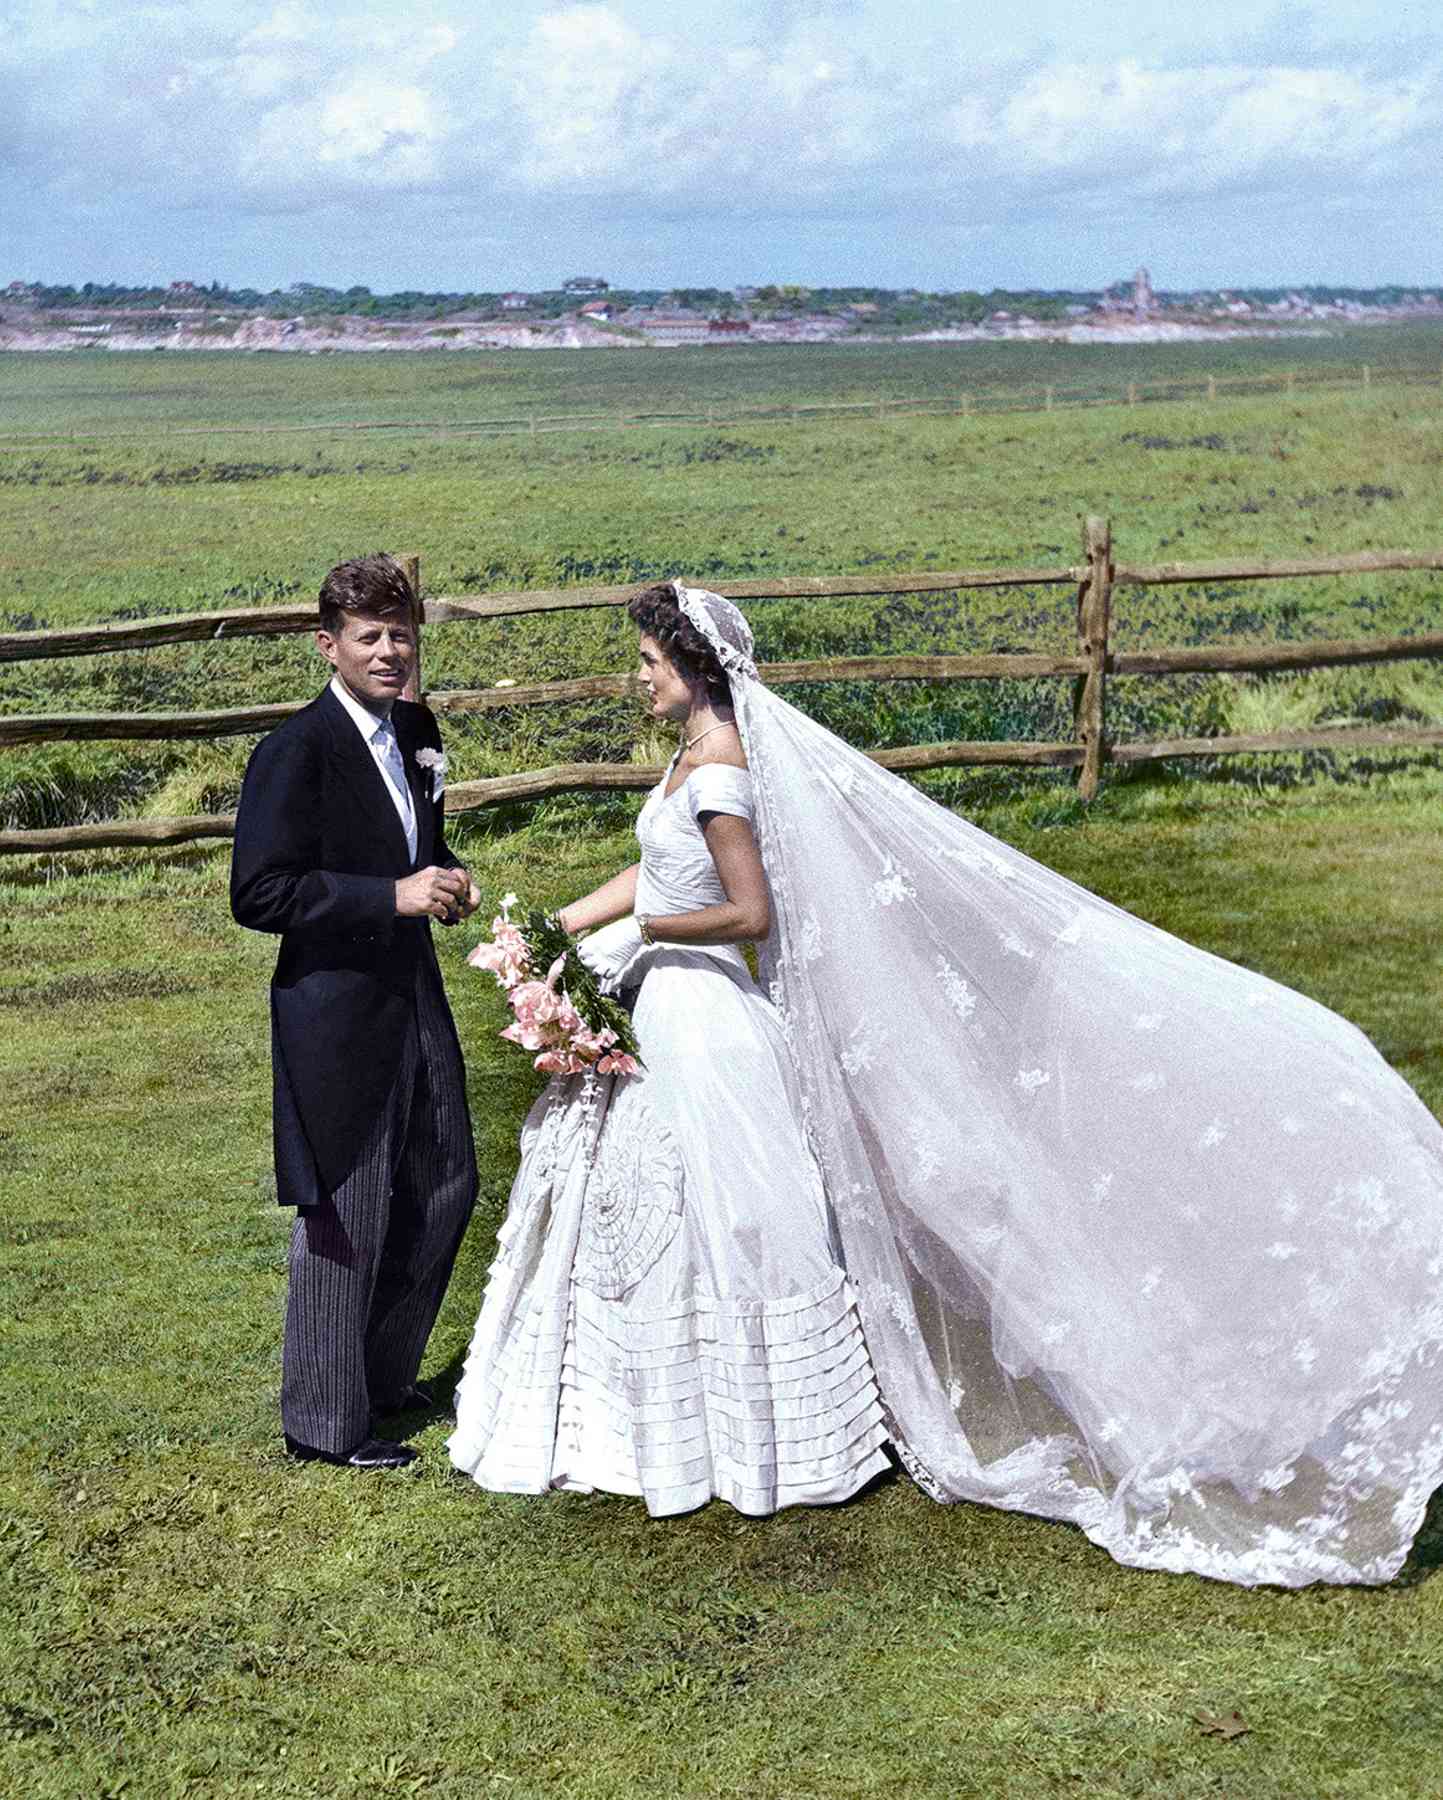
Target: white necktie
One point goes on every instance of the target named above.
(394, 769)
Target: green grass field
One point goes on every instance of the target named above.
(139, 523)
(183, 1612)
(78, 392)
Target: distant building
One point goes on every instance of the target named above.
(675, 328)
(585, 284)
(18, 287)
(515, 302)
(727, 327)
(600, 310)
(182, 287)
(1142, 297)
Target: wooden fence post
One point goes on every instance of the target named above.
(1212, 387)
(1094, 612)
(1049, 399)
(1367, 375)
(412, 565)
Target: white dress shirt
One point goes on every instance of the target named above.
(380, 736)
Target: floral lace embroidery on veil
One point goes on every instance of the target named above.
(1065, 1201)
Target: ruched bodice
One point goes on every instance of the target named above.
(677, 871)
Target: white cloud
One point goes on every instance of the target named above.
(602, 107)
(357, 135)
(875, 113)
(1197, 129)
(591, 94)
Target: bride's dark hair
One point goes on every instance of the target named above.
(655, 613)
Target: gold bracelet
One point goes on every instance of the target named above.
(643, 925)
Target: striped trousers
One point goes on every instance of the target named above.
(369, 1266)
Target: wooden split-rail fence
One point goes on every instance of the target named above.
(1096, 579)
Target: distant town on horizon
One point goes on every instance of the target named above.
(588, 311)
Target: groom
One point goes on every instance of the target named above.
(340, 848)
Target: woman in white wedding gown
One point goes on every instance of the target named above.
(667, 1315)
(1083, 1221)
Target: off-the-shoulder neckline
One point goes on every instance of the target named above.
(696, 771)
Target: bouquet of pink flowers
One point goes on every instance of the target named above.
(573, 1026)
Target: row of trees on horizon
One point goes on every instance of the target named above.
(907, 307)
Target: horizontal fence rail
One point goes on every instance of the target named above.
(958, 403)
(280, 621)
(578, 778)
(1201, 659)
(1091, 668)
(1360, 737)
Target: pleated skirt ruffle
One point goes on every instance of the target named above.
(629, 1343)
(764, 1404)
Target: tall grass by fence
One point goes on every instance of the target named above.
(1096, 578)
(960, 403)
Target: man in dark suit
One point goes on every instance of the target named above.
(340, 847)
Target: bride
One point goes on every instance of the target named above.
(1077, 1219)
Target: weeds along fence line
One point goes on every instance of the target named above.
(1095, 579)
(960, 403)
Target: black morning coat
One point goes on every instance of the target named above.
(319, 847)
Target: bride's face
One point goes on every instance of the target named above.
(665, 687)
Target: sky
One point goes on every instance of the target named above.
(941, 144)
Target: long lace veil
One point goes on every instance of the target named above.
(1141, 1239)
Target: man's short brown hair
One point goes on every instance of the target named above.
(366, 584)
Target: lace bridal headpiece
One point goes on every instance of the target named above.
(723, 626)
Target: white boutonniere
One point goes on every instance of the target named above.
(435, 761)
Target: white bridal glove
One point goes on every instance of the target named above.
(611, 952)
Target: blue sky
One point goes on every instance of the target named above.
(935, 143)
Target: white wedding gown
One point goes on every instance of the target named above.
(666, 1315)
(1132, 1236)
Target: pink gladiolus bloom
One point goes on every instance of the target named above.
(535, 1003)
(546, 1019)
(506, 956)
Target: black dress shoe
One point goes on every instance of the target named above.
(370, 1453)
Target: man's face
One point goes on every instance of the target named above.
(374, 654)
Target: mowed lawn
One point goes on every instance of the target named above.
(186, 1613)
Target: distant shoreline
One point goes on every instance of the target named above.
(342, 336)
